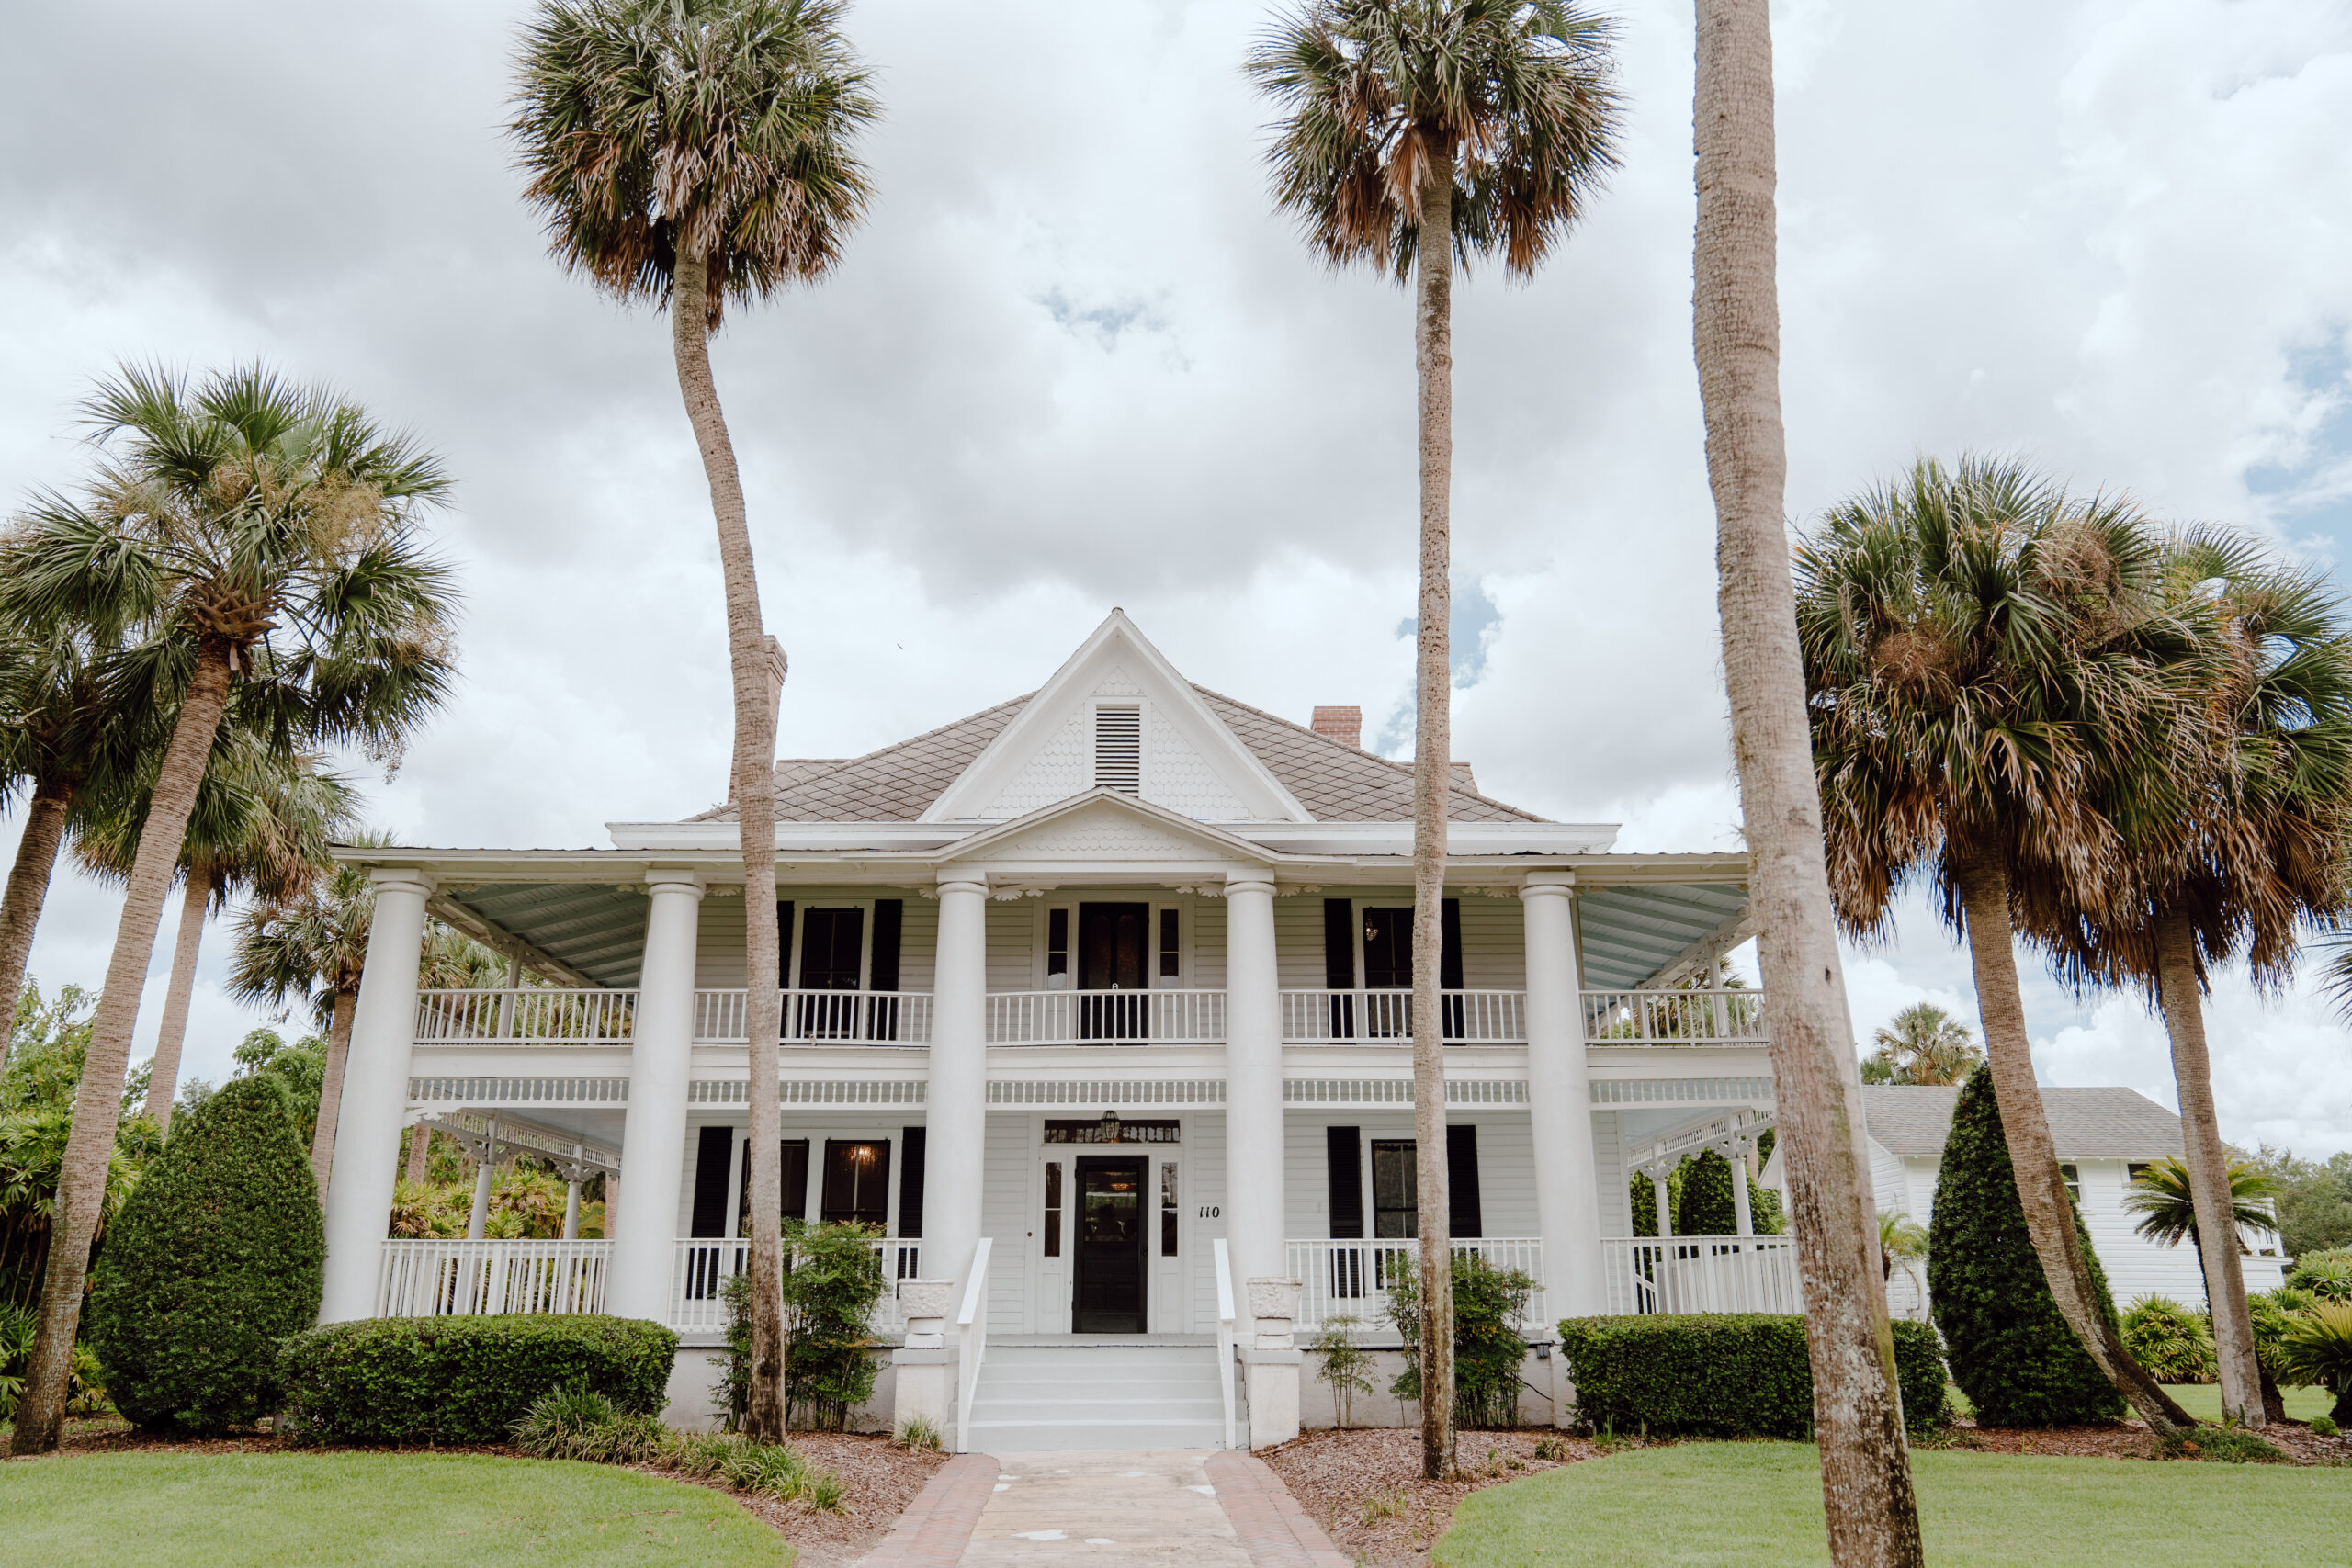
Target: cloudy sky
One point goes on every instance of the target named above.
(1074, 360)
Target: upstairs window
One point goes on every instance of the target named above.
(1118, 749)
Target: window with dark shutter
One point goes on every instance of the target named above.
(1118, 749)
(1343, 1159)
(882, 969)
(1395, 1215)
(784, 943)
(714, 1152)
(911, 1161)
(794, 1204)
(1461, 1181)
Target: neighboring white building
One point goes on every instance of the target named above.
(1095, 1005)
(2103, 1136)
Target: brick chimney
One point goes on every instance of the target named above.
(1342, 725)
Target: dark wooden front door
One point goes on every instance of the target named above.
(1108, 1291)
(1114, 944)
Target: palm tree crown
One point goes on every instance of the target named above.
(1517, 98)
(261, 826)
(2160, 1196)
(1924, 1044)
(720, 127)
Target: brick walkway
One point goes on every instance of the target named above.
(1106, 1510)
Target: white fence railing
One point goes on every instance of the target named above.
(1466, 1018)
(1702, 1273)
(1674, 1018)
(701, 1266)
(821, 1018)
(526, 1016)
(1355, 1277)
(441, 1278)
(1104, 1017)
(971, 1342)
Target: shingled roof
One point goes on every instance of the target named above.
(1913, 1120)
(1335, 782)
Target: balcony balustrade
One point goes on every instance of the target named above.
(526, 1016)
(1104, 1017)
(1702, 1273)
(1674, 1018)
(1386, 1017)
(1355, 1277)
(820, 1018)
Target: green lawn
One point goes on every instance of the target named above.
(2203, 1400)
(1758, 1505)
(193, 1510)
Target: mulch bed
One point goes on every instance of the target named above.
(880, 1478)
(1364, 1487)
(2124, 1439)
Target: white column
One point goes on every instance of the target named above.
(1745, 1219)
(572, 1210)
(477, 1217)
(958, 1108)
(653, 1142)
(1659, 1190)
(375, 1097)
(1559, 1106)
(1253, 1082)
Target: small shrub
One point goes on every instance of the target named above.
(2324, 1428)
(2175, 1343)
(1386, 1504)
(216, 1256)
(1723, 1375)
(18, 1329)
(2317, 1348)
(1345, 1363)
(1551, 1449)
(824, 1492)
(829, 1293)
(768, 1470)
(465, 1379)
(917, 1435)
(576, 1423)
(1487, 1343)
(2326, 1275)
(2220, 1445)
(2011, 1353)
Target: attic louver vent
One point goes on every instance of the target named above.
(1118, 749)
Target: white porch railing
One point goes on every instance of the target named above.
(701, 1266)
(1674, 1018)
(1355, 1277)
(821, 1018)
(1228, 1336)
(1468, 1018)
(971, 1342)
(1104, 1017)
(1701, 1273)
(526, 1016)
(436, 1277)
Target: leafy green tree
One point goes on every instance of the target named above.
(299, 1067)
(2173, 1341)
(1417, 136)
(691, 153)
(1986, 657)
(268, 534)
(829, 1297)
(1924, 1044)
(260, 828)
(2314, 1205)
(1490, 1346)
(1705, 1206)
(2009, 1349)
(216, 1258)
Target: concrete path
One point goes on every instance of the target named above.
(1106, 1510)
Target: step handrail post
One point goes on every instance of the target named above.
(1226, 1341)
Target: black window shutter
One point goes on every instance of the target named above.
(713, 1153)
(784, 942)
(1462, 1178)
(795, 1181)
(910, 1183)
(889, 915)
(1448, 963)
(1343, 1153)
(1339, 944)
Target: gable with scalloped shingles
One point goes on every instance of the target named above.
(1105, 833)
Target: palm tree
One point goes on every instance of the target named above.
(688, 152)
(64, 723)
(267, 535)
(260, 827)
(2163, 1196)
(1983, 653)
(1418, 134)
(1924, 1045)
(2262, 847)
(1873, 1511)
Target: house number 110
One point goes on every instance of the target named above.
(1210, 1210)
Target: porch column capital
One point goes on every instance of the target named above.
(964, 882)
(676, 879)
(1548, 884)
(1253, 880)
(402, 878)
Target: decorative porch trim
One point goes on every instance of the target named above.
(1649, 1091)
(1149, 1091)
(520, 1091)
(805, 1091)
(1399, 1091)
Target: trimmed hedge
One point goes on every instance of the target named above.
(215, 1257)
(1723, 1374)
(2011, 1353)
(465, 1379)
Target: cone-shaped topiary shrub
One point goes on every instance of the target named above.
(2009, 1350)
(1703, 1207)
(213, 1260)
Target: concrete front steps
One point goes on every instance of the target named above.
(1099, 1392)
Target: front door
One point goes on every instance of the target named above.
(1114, 943)
(1108, 1292)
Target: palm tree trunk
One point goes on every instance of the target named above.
(164, 1076)
(346, 1003)
(27, 891)
(1432, 789)
(97, 1100)
(754, 792)
(2025, 1125)
(420, 1147)
(2209, 1171)
(1871, 1509)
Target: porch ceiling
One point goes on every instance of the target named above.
(593, 928)
(1630, 933)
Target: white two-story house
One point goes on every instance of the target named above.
(1094, 1005)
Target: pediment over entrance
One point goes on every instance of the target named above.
(1117, 715)
(1110, 829)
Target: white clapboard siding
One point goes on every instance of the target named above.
(1298, 943)
(1205, 1164)
(918, 944)
(718, 945)
(1494, 953)
(1608, 1158)
(1012, 948)
(1005, 1218)
(1204, 926)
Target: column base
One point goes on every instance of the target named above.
(923, 1389)
(1270, 1381)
